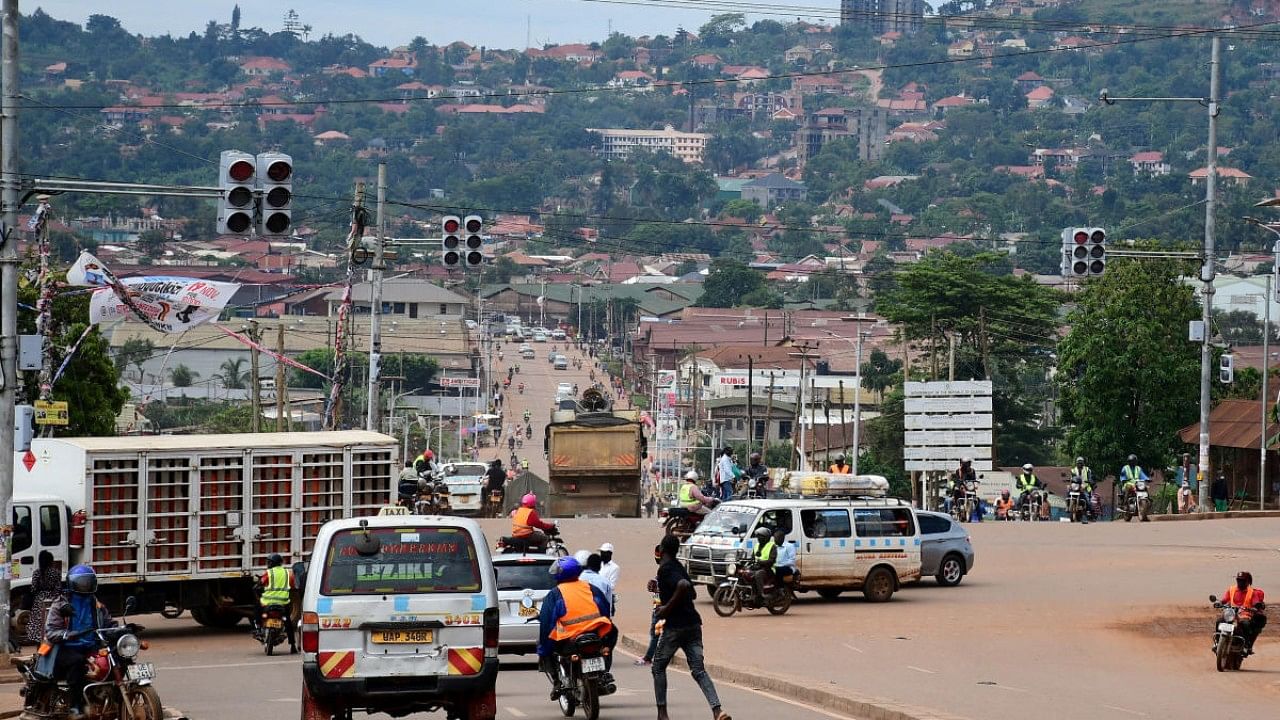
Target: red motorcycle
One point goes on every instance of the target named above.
(681, 522)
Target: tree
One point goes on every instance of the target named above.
(134, 352)
(231, 376)
(1129, 379)
(880, 371)
(182, 376)
(727, 283)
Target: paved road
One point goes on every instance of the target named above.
(219, 675)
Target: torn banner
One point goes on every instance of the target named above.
(168, 304)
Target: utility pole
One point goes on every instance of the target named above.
(281, 405)
(1207, 254)
(375, 304)
(8, 283)
(751, 402)
(857, 402)
(255, 381)
(1266, 369)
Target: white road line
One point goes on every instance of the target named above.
(852, 648)
(516, 713)
(1125, 710)
(228, 665)
(921, 670)
(1010, 688)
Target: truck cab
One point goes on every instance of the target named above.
(40, 522)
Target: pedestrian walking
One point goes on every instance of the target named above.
(680, 628)
(1220, 493)
(46, 587)
(649, 506)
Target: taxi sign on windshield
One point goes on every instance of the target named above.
(393, 510)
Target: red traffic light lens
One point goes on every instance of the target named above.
(239, 196)
(238, 222)
(1081, 237)
(473, 225)
(279, 197)
(240, 170)
(279, 171)
(1098, 236)
(451, 225)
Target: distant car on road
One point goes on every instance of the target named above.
(557, 334)
(560, 363)
(523, 583)
(564, 388)
(539, 337)
(945, 550)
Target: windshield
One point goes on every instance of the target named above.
(729, 520)
(409, 560)
(524, 576)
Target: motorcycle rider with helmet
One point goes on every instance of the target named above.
(572, 608)
(756, 470)
(70, 631)
(766, 555)
(959, 481)
(1004, 506)
(426, 463)
(526, 524)
(1250, 600)
(276, 584)
(691, 497)
(1129, 476)
(1087, 482)
(496, 479)
(1027, 484)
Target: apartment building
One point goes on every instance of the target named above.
(617, 143)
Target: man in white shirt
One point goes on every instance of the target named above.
(609, 569)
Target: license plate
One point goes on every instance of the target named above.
(464, 498)
(402, 636)
(704, 579)
(142, 671)
(1142, 496)
(528, 612)
(1226, 627)
(274, 623)
(592, 665)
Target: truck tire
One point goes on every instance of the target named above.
(212, 617)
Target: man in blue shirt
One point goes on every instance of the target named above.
(71, 629)
(785, 564)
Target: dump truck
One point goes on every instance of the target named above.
(594, 459)
(185, 522)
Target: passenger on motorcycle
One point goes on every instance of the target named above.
(959, 479)
(573, 607)
(276, 584)
(1130, 474)
(426, 463)
(495, 477)
(525, 522)
(70, 632)
(407, 484)
(1027, 483)
(765, 556)
(691, 497)
(784, 565)
(1004, 506)
(1250, 600)
(840, 467)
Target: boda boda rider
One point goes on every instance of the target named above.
(1027, 483)
(765, 556)
(572, 608)
(525, 522)
(276, 583)
(1249, 599)
(691, 497)
(70, 632)
(1004, 505)
(840, 467)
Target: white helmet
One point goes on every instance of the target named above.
(966, 459)
(1028, 467)
(581, 556)
(691, 475)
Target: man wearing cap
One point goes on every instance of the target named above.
(609, 569)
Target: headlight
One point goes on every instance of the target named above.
(732, 568)
(1228, 615)
(127, 646)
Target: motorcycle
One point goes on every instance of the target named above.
(965, 502)
(553, 545)
(520, 387)
(1077, 502)
(738, 591)
(583, 680)
(750, 487)
(272, 632)
(1031, 506)
(118, 686)
(681, 522)
(494, 503)
(1228, 640)
(1137, 503)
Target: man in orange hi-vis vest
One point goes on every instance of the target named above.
(1250, 600)
(572, 608)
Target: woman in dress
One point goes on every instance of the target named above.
(46, 586)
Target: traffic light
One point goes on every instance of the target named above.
(275, 180)
(472, 225)
(1097, 251)
(1084, 251)
(451, 241)
(1226, 369)
(236, 172)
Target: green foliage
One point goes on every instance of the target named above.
(182, 376)
(884, 443)
(881, 371)
(232, 375)
(730, 282)
(134, 352)
(418, 370)
(1129, 380)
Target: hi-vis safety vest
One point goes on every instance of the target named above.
(763, 551)
(520, 526)
(839, 469)
(277, 590)
(1246, 605)
(581, 614)
(1026, 482)
(1131, 473)
(686, 494)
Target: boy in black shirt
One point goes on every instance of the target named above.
(681, 629)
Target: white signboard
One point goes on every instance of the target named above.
(459, 382)
(945, 422)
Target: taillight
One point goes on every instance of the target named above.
(310, 632)
(491, 632)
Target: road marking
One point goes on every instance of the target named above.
(517, 713)
(1125, 710)
(921, 670)
(1010, 688)
(228, 665)
(852, 648)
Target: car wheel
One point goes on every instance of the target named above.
(951, 571)
(878, 587)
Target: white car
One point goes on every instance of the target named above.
(466, 486)
(523, 583)
(539, 337)
(526, 347)
(557, 334)
(564, 388)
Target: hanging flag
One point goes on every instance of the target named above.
(169, 304)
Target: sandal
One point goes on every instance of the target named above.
(722, 715)
(642, 662)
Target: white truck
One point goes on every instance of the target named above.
(184, 522)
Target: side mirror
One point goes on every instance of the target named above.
(130, 605)
(1213, 598)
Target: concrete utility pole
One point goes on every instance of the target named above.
(255, 379)
(375, 304)
(1206, 268)
(8, 287)
(282, 423)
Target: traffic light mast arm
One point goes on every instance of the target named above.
(50, 186)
